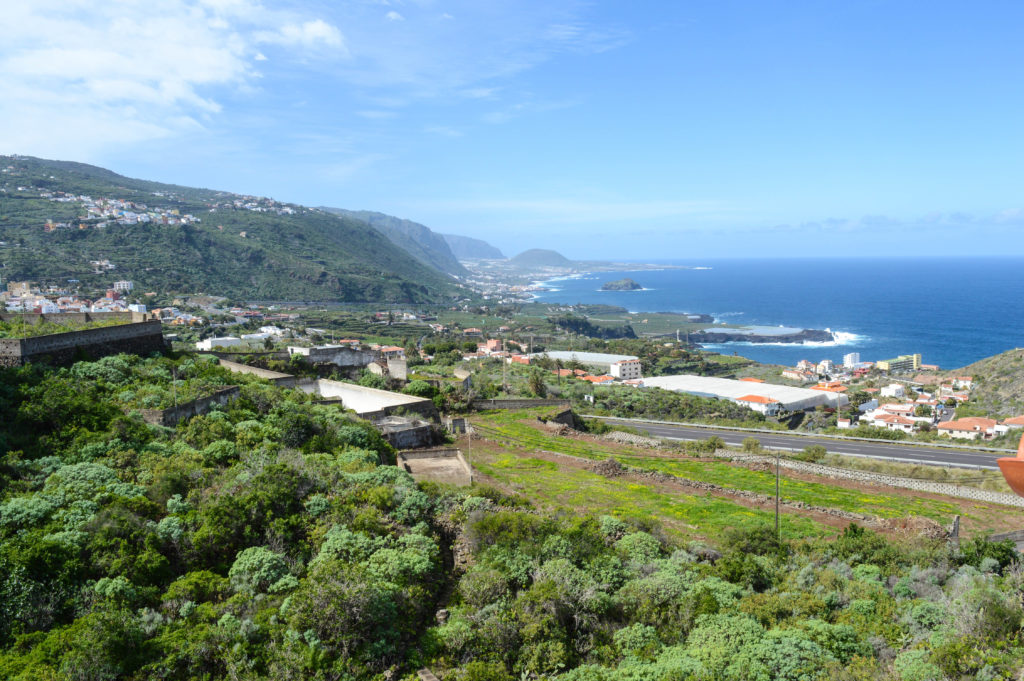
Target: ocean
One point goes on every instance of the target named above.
(954, 311)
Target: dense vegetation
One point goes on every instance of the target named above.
(417, 240)
(233, 251)
(272, 539)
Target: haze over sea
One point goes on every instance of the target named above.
(954, 311)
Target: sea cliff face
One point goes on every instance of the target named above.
(743, 336)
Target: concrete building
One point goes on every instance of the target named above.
(851, 360)
(222, 342)
(123, 286)
(826, 366)
(894, 390)
(788, 397)
(337, 354)
(626, 369)
(901, 363)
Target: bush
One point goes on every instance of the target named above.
(812, 454)
(256, 569)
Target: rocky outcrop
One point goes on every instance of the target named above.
(739, 336)
(621, 285)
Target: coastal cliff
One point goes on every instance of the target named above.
(795, 336)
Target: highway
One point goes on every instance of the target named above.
(939, 456)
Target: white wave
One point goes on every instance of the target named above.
(701, 268)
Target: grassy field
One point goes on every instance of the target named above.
(684, 516)
(514, 435)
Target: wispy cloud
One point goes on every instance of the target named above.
(77, 80)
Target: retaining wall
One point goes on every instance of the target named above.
(946, 488)
(172, 416)
(519, 404)
(34, 318)
(65, 348)
(441, 465)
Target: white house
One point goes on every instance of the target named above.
(970, 428)
(223, 342)
(894, 390)
(626, 369)
(760, 403)
(826, 366)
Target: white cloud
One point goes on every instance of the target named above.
(78, 77)
(394, 16)
(308, 34)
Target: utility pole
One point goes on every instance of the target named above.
(469, 450)
(778, 530)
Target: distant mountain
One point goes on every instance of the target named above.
(541, 257)
(61, 220)
(468, 248)
(415, 239)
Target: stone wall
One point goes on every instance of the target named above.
(65, 348)
(439, 465)
(172, 416)
(519, 404)
(72, 317)
(946, 488)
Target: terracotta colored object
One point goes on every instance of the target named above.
(1013, 469)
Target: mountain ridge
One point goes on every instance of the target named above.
(59, 218)
(416, 239)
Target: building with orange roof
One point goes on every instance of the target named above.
(1015, 422)
(894, 422)
(751, 379)
(829, 387)
(760, 403)
(969, 428)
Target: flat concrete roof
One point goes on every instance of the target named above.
(789, 397)
(359, 398)
(600, 358)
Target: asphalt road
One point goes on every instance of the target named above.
(893, 452)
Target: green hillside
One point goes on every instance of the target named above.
(998, 383)
(415, 239)
(238, 246)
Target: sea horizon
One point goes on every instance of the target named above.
(953, 310)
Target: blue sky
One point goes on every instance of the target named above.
(634, 130)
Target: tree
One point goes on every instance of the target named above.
(536, 385)
(922, 410)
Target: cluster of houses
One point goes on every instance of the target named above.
(101, 212)
(256, 204)
(909, 416)
(26, 296)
